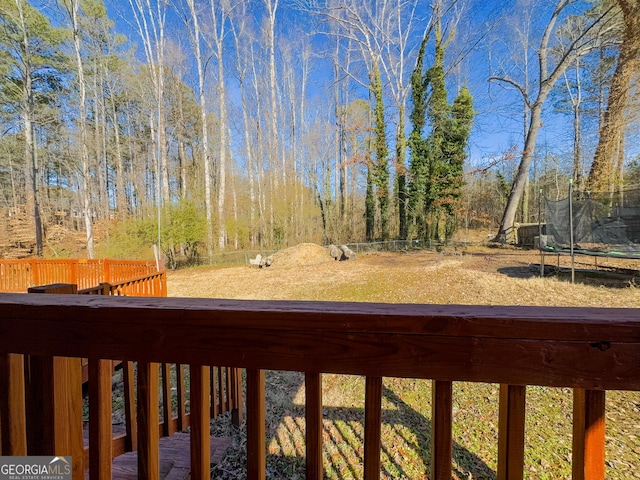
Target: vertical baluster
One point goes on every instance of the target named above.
(441, 429)
(588, 434)
(148, 421)
(200, 430)
(237, 413)
(229, 388)
(256, 451)
(313, 424)
(131, 424)
(100, 430)
(511, 432)
(181, 397)
(167, 413)
(12, 405)
(215, 401)
(372, 427)
(223, 400)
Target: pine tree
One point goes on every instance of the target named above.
(30, 51)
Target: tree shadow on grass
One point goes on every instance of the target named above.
(406, 433)
(583, 276)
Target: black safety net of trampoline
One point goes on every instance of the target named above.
(602, 224)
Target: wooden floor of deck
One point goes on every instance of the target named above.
(175, 462)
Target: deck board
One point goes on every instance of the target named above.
(175, 460)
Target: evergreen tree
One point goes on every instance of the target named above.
(417, 145)
(30, 52)
(380, 175)
(456, 141)
(436, 161)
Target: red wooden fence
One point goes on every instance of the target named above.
(18, 275)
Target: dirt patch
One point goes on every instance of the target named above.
(301, 255)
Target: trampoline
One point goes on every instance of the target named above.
(594, 224)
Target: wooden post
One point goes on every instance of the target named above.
(511, 432)
(54, 413)
(148, 421)
(372, 427)
(441, 429)
(313, 424)
(167, 413)
(256, 448)
(200, 429)
(237, 412)
(100, 430)
(181, 397)
(54, 418)
(588, 434)
(13, 419)
(131, 424)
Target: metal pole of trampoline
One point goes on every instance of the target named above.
(540, 234)
(573, 274)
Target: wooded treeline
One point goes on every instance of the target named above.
(236, 125)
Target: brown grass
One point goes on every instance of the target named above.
(481, 275)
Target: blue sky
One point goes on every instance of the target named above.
(498, 126)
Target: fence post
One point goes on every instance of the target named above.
(107, 271)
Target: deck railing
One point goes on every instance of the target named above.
(591, 350)
(18, 275)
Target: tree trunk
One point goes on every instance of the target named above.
(602, 175)
(205, 129)
(84, 152)
(506, 225)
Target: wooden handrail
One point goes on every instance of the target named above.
(593, 349)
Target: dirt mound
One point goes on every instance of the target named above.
(301, 255)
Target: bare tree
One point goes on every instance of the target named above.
(72, 7)
(220, 11)
(549, 72)
(195, 35)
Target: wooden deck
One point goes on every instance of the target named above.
(175, 463)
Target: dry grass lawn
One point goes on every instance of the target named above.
(479, 275)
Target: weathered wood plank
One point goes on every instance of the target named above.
(422, 341)
(100, 430)
(372, 427)
(313, 425)
(12, 405)
(511, 423)
(256, 448)
(588, 435)
(441, 430)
